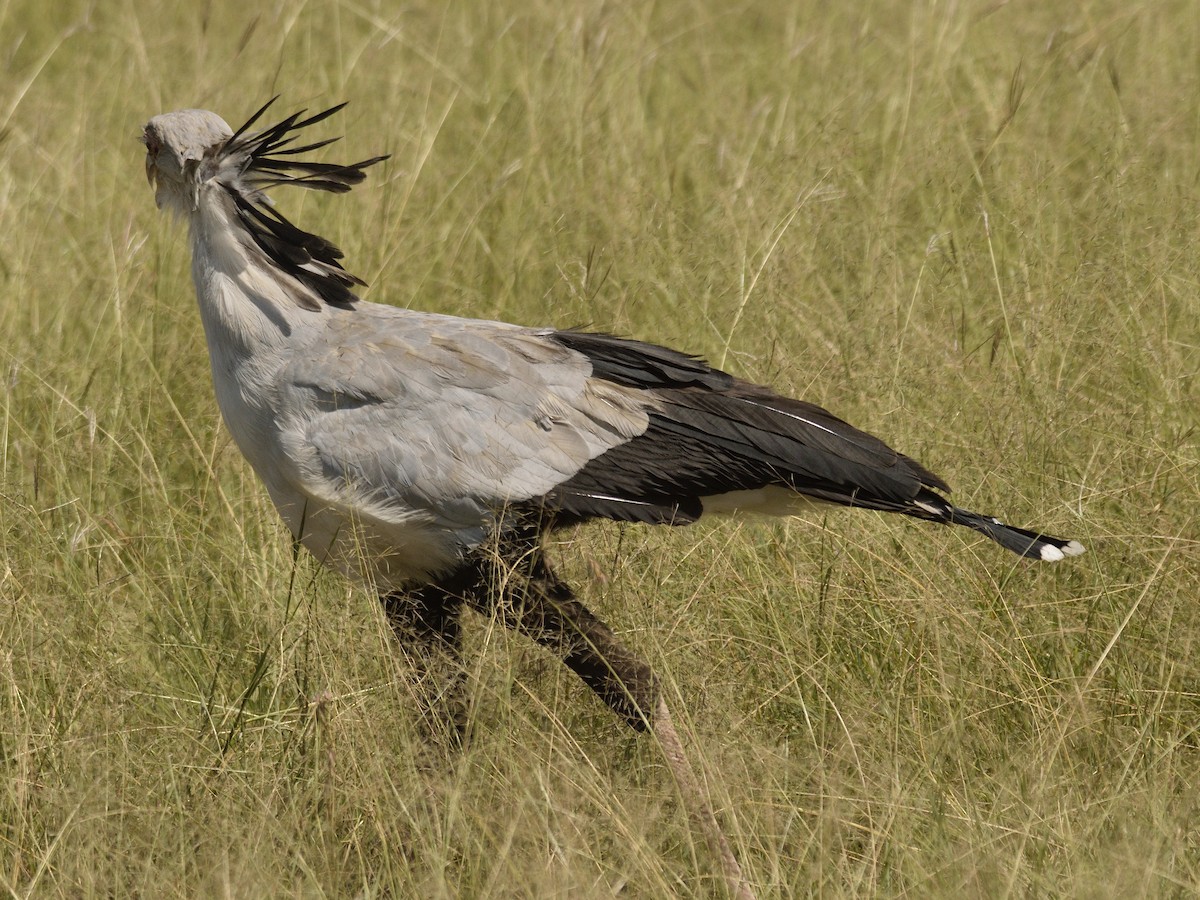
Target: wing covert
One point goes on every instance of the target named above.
(451, 417)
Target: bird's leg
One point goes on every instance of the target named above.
(545, 609)
(549, 613)
(426, 621)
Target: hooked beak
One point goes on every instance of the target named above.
(151, 172)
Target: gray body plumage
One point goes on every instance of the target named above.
(405, 435)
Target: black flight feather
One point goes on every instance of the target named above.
(710, 433)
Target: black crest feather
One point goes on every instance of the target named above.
(267, 159)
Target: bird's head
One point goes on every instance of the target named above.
(181, 151)
(192, 151)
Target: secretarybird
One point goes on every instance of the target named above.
(427, 455)
(404, 448)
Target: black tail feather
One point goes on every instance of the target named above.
(1021, 541)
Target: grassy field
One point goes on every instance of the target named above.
(970, 227)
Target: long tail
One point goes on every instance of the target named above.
(1018, 540)
(710, 434)
(1033, 544)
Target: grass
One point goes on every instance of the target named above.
(969, 227)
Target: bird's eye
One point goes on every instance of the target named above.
(150, 139)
